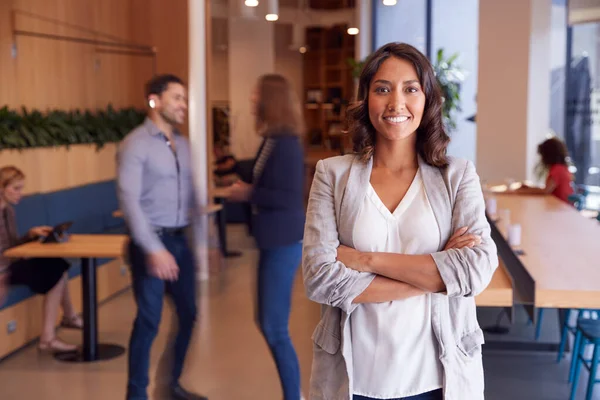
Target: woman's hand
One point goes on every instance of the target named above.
(240, 191)
(39, 231)
(352, 258)
(460, 240)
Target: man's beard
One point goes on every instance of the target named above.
(168, 118)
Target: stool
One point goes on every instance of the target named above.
(564, 335)
(588, 332)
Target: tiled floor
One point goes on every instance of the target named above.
(230, 361)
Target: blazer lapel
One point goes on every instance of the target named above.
(354, 194)
(439, 197)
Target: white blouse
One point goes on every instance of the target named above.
(395, 352)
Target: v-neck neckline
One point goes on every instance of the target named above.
(406, 201)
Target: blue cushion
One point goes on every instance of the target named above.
(77, 205)
(16, 294)
(107, 194)
(31, 211)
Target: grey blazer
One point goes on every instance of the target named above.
(337, 193)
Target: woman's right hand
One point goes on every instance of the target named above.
(39, 231)
(460, 239)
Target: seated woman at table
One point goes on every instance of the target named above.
(42, 275)
(553, 153)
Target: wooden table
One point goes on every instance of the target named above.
(559, 267)
(87, 248)
(499, 292)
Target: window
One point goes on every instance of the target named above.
(403, 22)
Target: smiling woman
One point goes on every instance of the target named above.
(396, 246)
(397, 80)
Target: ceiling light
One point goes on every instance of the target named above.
(389, 2)
(353, 31)
(272, 10)
(251, 3)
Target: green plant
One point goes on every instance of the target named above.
(29, 129)
(356, 66)
(449, 76)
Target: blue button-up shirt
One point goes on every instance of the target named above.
(154, 183)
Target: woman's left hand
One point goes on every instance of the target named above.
(240, 191)
(352, 258)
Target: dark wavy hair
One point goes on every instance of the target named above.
(432, 139)
(553, 151)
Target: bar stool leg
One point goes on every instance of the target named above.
(564, 336)
(593, 371)
(578, 362)
(575, 354)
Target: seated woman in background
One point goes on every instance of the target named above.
(553, 153)
(42, 275)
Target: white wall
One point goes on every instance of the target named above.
(219, 82)
(288, 62)
(540, 60)
(502, 93)
(513, 95)
(197, 123)
(251, 54)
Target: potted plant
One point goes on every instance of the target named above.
(449, 76)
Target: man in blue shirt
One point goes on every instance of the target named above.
(156, 196)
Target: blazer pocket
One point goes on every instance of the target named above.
(471, 342)
(326, 340)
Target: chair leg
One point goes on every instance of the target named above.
(538, 327)
(593, 371)
(575, 354)
(578, 362)
(564, 336)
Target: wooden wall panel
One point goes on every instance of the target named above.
(165, 25)
(49, 73)
(54, 74)
(56, 168)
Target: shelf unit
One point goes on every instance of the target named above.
(328, 86)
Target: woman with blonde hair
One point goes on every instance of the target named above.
(276, 196)
(42, 275)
